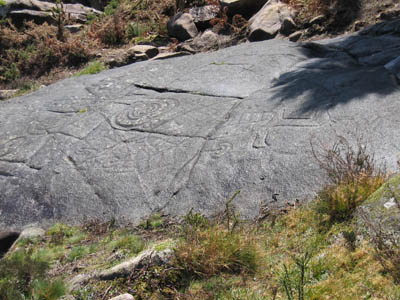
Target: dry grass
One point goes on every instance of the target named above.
(35, 50)
(209, 252)
(31, 52)
(353, 176)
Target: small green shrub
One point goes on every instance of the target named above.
(45, 290)
(131, 243)
(135, 29)
(3, 3)
(58, 232)
(111, 7)
(78, 252)
(12, 73)
(22, 276)
(196, 220)
(93, 68)
(155, 221)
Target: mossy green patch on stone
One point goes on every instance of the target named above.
(392, 185)
(381, 209)
(168, 244)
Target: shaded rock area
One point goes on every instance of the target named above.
(7, 239)
(244, 7)
(171, 135)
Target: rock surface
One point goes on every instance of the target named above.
(169, 135)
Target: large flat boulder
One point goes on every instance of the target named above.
(188, 132)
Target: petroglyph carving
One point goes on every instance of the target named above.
(144, 114)
(10, 146)
(297, 114)
(219, 149)
(260, 140)
(298, 118)
(256, 117)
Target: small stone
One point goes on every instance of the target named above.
(182, 26)
(148, 50)
(78, 281)
(295, 36)
(74, 28)
(288, 26)
(141, 57)
(118, 58)
(67, 297)
(394, 67)
(5, 94)
(391, 203)
(389, 15)
(166, 55)
(32, 232)
(318, 20)
(148, 257)
(359, 25)
(204, 13)
(267, 23)
(123, 297)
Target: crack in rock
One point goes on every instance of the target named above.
(180, 91)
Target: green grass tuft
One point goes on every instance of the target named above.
(93, 68)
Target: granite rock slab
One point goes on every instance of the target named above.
(188, 132)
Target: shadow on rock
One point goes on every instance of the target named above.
(344, 69)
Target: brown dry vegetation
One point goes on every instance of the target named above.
(32, 52)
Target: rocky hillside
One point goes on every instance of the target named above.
(42, 42)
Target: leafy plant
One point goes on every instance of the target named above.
(3, 3)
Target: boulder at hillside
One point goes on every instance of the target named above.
(273, 17)
(171, 135)
(182, 26)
